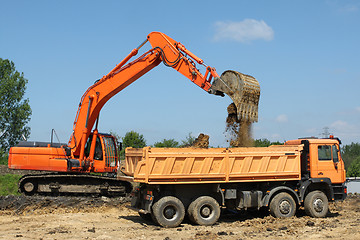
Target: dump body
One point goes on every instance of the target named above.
(132, 157)
(214, 165)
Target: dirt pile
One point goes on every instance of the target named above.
(202, 141)
(238, 130)
(48, 204)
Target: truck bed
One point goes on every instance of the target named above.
(213, 165)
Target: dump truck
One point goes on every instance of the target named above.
(71, 166)
(196, 182)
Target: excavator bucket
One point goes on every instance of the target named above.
(243, 89)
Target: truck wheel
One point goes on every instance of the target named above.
(282, 206)
(204, 210)
(316, 204)
(169, 211)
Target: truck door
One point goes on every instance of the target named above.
(328, 165)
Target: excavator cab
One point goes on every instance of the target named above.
(105, 156)
(243, 89)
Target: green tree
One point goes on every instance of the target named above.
(188, 141)
(132, 139)
(349, 153)
(354, 168)
(167, 143)
(15, 110)
(265, 142)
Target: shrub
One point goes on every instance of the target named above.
(3, 159)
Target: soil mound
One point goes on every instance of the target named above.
(48, 204)
(202, 141)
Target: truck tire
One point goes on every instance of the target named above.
(169, 212)
(204, 210)
(316, 204)
(282, 205)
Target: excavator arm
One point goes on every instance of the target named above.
(164, 49)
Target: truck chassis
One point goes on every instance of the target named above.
(167, 205)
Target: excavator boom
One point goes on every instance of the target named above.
(165, 49)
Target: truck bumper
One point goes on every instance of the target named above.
(340, 191)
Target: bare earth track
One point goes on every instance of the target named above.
(37, 217)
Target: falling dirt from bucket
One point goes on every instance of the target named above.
(243, 89)
(238, 130)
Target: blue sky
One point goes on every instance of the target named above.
(305, 55)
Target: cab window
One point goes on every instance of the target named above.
(87, 146)
(98, 155)
(324, 152)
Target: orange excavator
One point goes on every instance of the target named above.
(88, 151)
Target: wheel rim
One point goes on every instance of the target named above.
(206, 211)
(285, 207)
(318, 205)
(170, 212)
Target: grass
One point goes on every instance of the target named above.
(3, 160)
(8, 184)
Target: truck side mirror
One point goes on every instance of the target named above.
(120, 145)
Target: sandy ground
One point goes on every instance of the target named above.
(104, 218)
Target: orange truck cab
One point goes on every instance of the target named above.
(322, 163)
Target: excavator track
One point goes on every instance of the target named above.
(72, 184)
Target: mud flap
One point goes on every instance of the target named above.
(141, 201)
